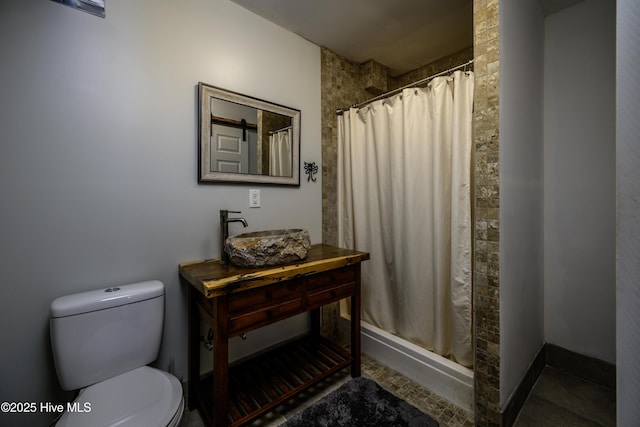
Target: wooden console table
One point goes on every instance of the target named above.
(236, 300)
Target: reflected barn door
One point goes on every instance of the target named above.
(229, 153)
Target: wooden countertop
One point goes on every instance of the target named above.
(213, 279)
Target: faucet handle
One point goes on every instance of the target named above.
(225, 212)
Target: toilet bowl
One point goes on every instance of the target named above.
(142, 397)
(102, 341)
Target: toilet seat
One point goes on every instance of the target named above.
(142, 397)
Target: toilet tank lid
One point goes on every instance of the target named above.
(101, 299)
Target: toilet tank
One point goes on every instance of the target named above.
(99, 334)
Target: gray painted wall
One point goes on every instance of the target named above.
(98, 161)
(557, 183)
(521, 187)
(580, 179)
(628, 241)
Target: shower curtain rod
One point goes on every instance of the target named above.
(271, 132)
(416, 83)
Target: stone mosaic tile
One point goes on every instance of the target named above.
(343, 83)
(443, 411)
(486, 214)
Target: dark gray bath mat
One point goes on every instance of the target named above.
(361, 402)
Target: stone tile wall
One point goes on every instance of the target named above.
(342, 86)
(486, 214)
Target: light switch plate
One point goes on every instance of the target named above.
(254, 198)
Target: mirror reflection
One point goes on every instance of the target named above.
(94, 7)
(249, 140)
(244, 139)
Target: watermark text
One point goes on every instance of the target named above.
(44, 407)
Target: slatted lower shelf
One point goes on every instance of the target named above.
(264, 382)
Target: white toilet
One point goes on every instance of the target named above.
(102, 341)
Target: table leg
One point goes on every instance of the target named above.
(193, 349)
(355, 330)
(220, 363)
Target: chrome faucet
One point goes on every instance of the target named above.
(224, 231)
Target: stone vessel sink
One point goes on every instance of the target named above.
(267, 248)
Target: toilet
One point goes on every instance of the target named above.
(102, 342)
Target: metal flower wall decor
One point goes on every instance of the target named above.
(310, 169)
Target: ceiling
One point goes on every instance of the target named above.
(402, 35)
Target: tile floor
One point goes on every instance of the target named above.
(557, 399)
(561, 399)
(447, 414)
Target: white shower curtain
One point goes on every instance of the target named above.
(280, 153)
(404, 197)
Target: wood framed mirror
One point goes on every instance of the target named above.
(243, 139)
